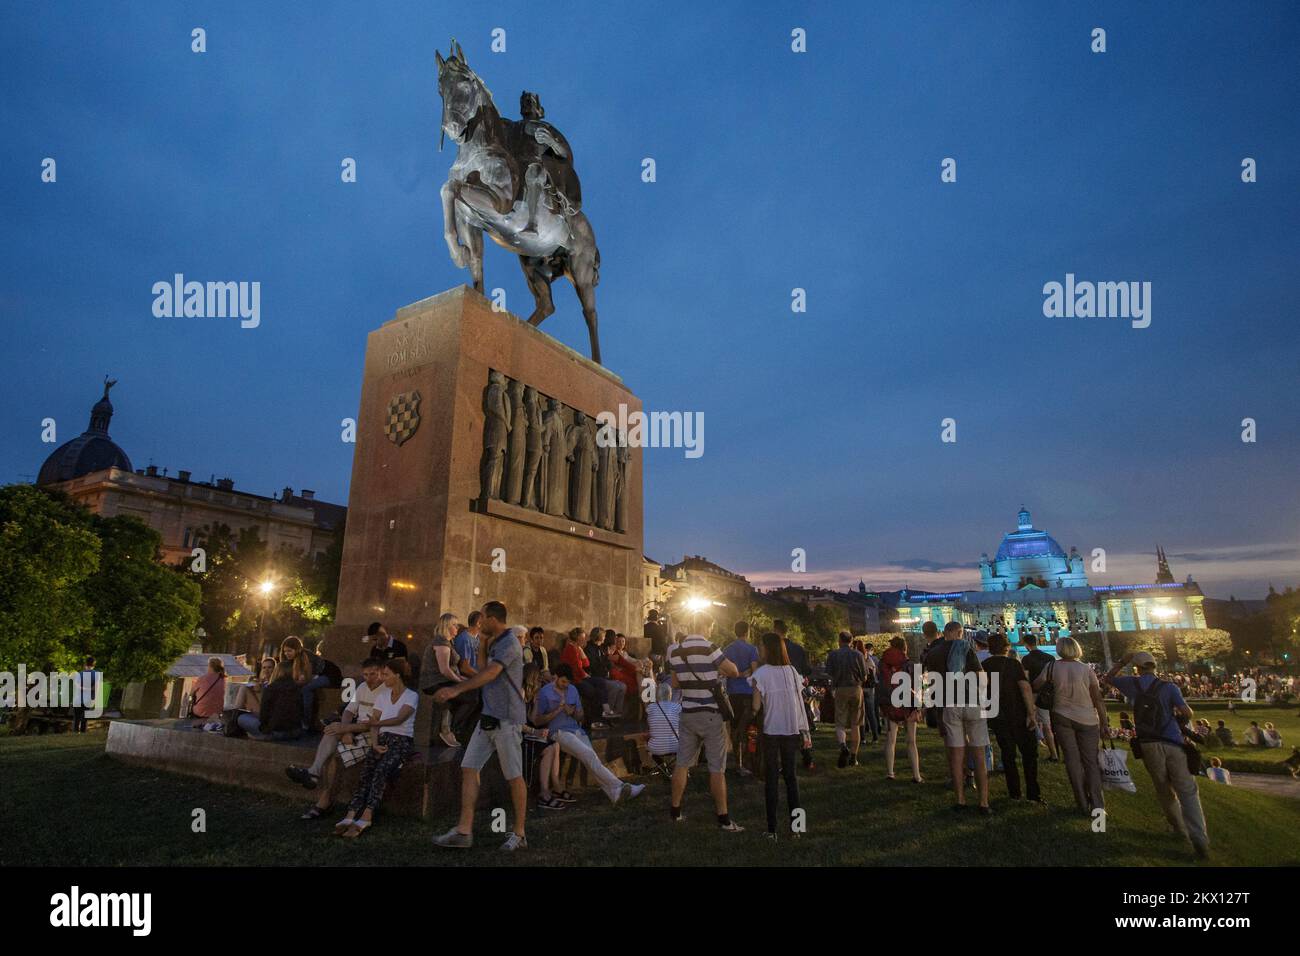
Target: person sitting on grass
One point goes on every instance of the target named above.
(1254, 736)
(1292, 763)
(280, 715)
(1217, 773)
(1224, 735)
(558, 708)
(341, 739)
(393, 719)
(1271, 736)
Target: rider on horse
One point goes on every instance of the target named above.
(548, 161)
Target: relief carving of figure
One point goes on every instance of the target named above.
(620, 489)
(555, 460)
(514, 472)
(496, 431)
(532, 448)
(581, 443)
(606, 480)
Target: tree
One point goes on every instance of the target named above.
(144, 611)
(238, 615)
(47, 551)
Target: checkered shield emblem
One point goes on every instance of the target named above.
(403, 417)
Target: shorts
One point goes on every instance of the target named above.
(1044, 717)
(848, 707)
(965, 727)
(702, 729)
(507, 741)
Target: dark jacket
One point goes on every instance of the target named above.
(281, 706)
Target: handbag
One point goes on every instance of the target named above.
(720, 698)
(1047, 693)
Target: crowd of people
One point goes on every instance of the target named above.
(746, 705)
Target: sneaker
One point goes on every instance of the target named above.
(731, 827)
(454, 839)
(514, 842)
(632, 790)
(745, 772)
(844, 757)
(770, 837)
(301, 776)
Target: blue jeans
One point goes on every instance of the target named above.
(309, 698)
(251, 724)
(869, 709)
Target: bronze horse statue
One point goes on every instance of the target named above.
(514, 180)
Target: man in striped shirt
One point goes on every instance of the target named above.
(696, 666)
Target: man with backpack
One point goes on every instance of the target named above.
(1157, 704)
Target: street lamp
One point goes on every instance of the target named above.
(266, 587)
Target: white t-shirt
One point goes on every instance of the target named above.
(384, 708)
(783, 713)
(363, 701)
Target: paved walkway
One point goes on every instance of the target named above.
(1278, 784)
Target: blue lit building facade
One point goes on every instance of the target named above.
(1033, 585)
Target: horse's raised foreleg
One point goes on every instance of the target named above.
(538, 278)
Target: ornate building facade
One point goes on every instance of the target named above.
(1034, 586)
(96, 473)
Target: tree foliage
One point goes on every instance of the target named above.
(74, 583)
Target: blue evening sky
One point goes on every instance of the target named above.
(775, 170)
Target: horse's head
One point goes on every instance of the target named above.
(463, 93)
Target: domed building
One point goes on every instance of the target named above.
(90, 451)
(1028, 556)
(1033, 586)
(94, 472)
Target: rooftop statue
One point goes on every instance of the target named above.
(514, 180)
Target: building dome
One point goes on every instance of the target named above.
(90, 451)
(1029, 554)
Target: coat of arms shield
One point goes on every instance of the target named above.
(403, 417)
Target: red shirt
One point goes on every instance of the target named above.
(576, 658)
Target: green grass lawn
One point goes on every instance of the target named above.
(1242, 759)
(63, 801)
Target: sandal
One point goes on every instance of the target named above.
(312, 813)
(565, 797)
(358, 827)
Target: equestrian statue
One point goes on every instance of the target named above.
(515, 180)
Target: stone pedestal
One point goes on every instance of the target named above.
(421, 538)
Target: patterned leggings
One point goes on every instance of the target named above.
(379, 770)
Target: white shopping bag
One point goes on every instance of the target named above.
(1114, 771)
